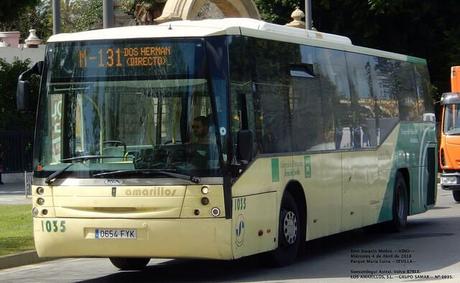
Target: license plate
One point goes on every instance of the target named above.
(116, 234)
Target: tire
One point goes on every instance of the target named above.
(130, 263)
(400, 208)
(456, 195)
(289, 233)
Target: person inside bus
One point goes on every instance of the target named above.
(203, 147)
(199, 143)
(200, 130)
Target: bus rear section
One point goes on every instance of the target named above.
(449, 152)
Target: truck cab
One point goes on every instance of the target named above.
(449, 151)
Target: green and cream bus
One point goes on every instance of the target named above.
(307, 136)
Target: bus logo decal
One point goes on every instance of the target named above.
(239, 230)
(154, 192)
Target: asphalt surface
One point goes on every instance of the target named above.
(12, 191)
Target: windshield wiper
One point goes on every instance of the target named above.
(51, 178)
(193, 179)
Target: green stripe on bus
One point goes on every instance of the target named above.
(275, 170)
(307, 164)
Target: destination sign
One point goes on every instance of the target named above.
(148, 58)
(108, 57)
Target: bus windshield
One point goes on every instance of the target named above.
(452, 119)
(126, 107)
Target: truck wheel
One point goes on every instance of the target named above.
(456, 195)
(400, 208)
(130, 263)
(289, 233)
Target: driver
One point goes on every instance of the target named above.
(200, 130)
(200, 142)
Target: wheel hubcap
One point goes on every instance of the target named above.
(290, 227)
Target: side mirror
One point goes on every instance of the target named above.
(23, 100)
(245, 146)
(23, 96)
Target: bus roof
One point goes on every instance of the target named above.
(230, 26)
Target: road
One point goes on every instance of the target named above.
(427, 251)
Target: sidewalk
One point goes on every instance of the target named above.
(12, 191)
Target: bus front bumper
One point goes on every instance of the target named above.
(154, 238)
(450, 181)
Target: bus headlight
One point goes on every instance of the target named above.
(204, 201)
(205, 190)
(34, 211)
(40, 201)
(40, 190)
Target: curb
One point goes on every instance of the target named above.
(19, 259)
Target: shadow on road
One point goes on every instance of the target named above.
(421, 237)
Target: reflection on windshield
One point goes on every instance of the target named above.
(135, 124)
(452, 119)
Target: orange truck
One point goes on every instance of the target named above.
(449, 150)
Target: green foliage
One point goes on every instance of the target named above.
(15, 229)
(12, 10)
(10, 118)
(39, 18)
(86, 14)
(76, 15)
(278, 11)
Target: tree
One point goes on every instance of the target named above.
(10, 118)
(12, 10)
(82, 15)
(39, 18)
(277, 11)
(76, 15)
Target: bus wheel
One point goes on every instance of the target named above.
(400, 208)
(288, 233)
(456, 195)
(130, 263)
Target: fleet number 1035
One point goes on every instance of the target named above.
(53, 226)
